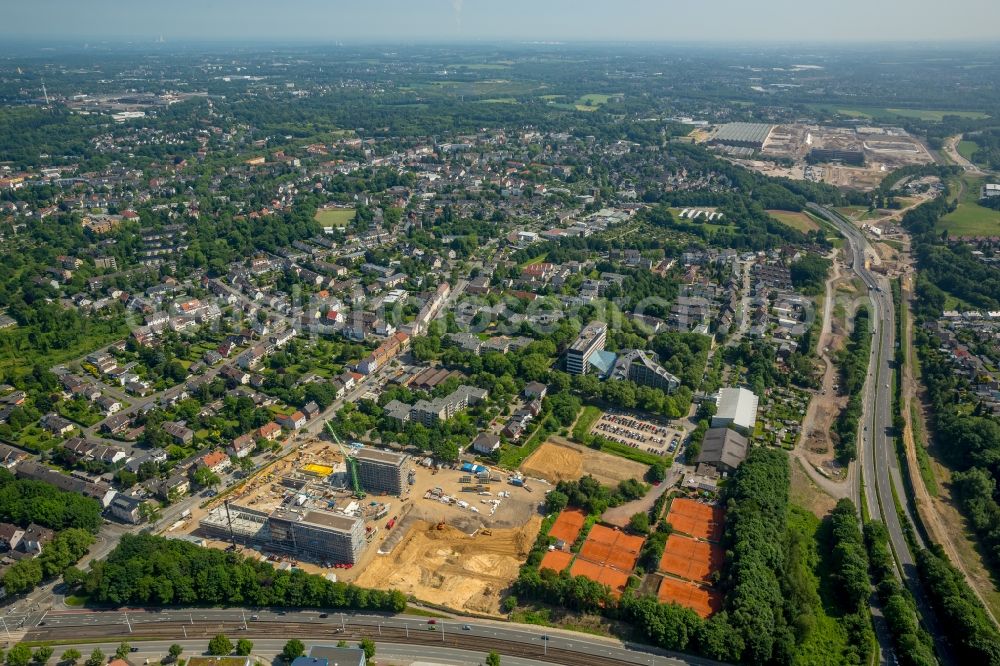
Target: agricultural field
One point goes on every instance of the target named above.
(335, 217)
(801, 221)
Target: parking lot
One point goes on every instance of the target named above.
(649, 434)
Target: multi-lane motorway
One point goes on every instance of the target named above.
(879, 483)
(526, 642)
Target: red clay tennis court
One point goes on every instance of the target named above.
(568, 525)
(602, 534)
(604, 575)
(557, 560)
(699, 520)
(687, 558)
(607, 546)
(702, 601)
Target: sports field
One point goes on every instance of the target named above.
(702, 601)
(568, 525)
(334, 217)
(691, 559)
(616, 580)
(701, 521)
(557, 560)
(611, 547)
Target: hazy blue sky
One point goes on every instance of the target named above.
(658, 20)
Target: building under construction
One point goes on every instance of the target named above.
(303, 532)
(381, 471)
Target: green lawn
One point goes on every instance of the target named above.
(937, 116)
(923, 459)
(530, 262)
(585, 421)
(635, 455)
(880, 113)
(499, 100)
(36, 440)
(971, 219)
(591, 101)
(480, 65)
(18, 353)
(335, 217)
(967, 149)
(826, 640)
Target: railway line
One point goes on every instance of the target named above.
(201, 624)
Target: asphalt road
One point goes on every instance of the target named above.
(876, 447)
(547, 645)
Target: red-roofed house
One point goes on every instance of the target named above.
(217, 461)
(270, 431)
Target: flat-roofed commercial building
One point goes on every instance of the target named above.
(591, 340)
(737, 408)
(744, 135)
(723, 449)
(382, 471)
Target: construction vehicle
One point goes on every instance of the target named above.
(486, 532)
(439, 526)
(352, 464)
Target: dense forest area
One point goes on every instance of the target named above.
(23, 502)
(148, 570)
(853, 366)
(971, 633)
(987, 151)
(914, 646)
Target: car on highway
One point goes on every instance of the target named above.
(466, 627)
(324, 615)
(432, 621)
(133, 649)
(255, 617)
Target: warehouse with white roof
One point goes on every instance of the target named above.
(735, 408)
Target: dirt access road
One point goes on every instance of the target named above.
(950, 149)
(815, 448)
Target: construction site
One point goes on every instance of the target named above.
(855, 157)
(453, 536)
